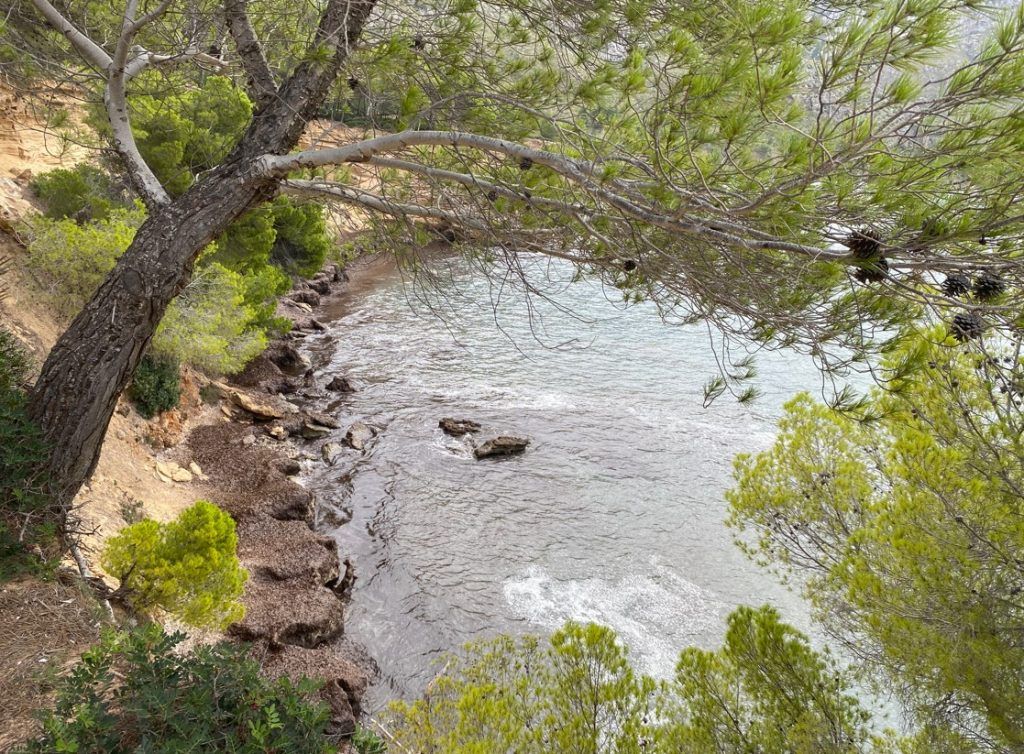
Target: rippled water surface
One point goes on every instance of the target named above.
(615, 513)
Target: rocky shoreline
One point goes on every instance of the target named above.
(298, 584)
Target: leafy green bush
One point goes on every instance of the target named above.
(70, 260)
(211, 324)
(83, 192)
(301, 243)
(188, 567)
(156, 386)
(766, 690)
(365, 741)
(134, 693)
(26, 518)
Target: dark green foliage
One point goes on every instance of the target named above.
(302, 243)
(132, 693)
(366, 741)
(26, 521)
(81, 193)
(156, 386)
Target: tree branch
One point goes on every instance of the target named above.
(88, 49)
(250, 51)
(579, 172)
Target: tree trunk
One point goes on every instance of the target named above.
(93, 361)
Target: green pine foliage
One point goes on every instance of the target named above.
(27, 522)
(212, 325)
(187, 567)
(901, 517)
(766, 690)
(84, 192)
(137, 692)
(156, 386)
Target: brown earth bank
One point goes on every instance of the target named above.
(238, 446)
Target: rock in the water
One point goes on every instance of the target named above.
(458, 427)
(323, 420)
(259, 409)
(340, 385)
(313, 431)
(330, 452)
(503, 445)
(358, 435)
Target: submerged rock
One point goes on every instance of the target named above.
(358, 435)
(340, 385)
(503, 445)
(330, 452)
(459, 427)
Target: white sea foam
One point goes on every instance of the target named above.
(656, 612)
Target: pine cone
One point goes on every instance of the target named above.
(956, 285)
(874, 271)
(967, 325)
(988, 286)
(864, 244)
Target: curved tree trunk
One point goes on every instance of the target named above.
(93, 361)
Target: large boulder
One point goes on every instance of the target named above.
(458, 427)
(321, 284)
(287, 550)
(503, 445)
(308, 297)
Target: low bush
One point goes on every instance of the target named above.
(81, 193)
(188, 567)
(134, 693)
(71, 260)
(27, 522)
(156, 386)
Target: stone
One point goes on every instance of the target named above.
(330, 452)
(278, 432)
(503, 445)
(321, 284)
(249, 440)
(313, 431)
(358, 435)
(195, 469)
(287, 358)
(182, 475)
(258, 408)
(459, 427)
(322, 420)
(340, 385)
(170, 471)
(308, 297)
(289, 612)
(288, 466)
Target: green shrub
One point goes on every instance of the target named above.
(211, 324)
(27, 521)
(365, 741)
(82, 193)
(301, 243)
(70, 260)
(156, 386)
(188, 567)
(134, 693)
(765, 690)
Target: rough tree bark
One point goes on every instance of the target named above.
(93, 361)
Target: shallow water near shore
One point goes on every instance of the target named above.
(614, 514)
